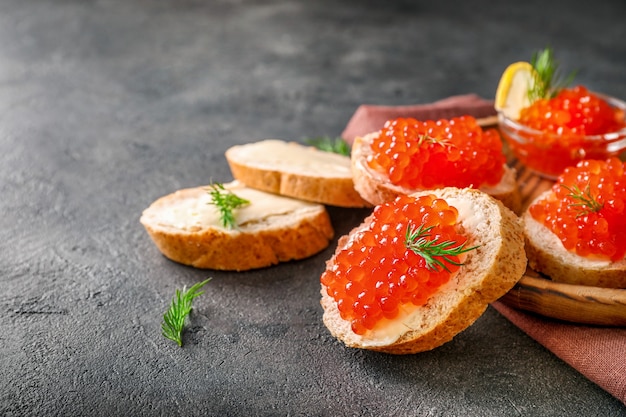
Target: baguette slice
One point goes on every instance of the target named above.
(295, 170)
(488, 272)
(546, 254)
(376, 188)
(186, 228)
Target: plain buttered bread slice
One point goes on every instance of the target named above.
(186, 228)
(376, 187)
(493, 266)
(295, 170)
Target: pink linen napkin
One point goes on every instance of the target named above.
(370, 118)
(596, 352)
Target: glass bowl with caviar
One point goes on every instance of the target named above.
(549, 126)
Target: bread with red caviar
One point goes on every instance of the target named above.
(581, 206)
(547, 255)
(376, 186)
(493, 264)
(295, 170)
(186, 227)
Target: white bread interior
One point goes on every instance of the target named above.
(376, 187)
(187, 229)
(547, 255)
(295, 170)
(488, 272)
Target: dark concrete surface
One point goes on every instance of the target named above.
(106, 105)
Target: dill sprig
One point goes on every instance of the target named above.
(426, 138)
(548, 81)
(226, 201)
(585, 201)
(433, 252)
(328, 144)
(174, 319)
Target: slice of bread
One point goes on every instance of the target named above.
(376, 188)
(186, 228)
(488, 272)
(546, 254)
(295, 170)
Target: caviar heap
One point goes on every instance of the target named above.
(429, 154)
(402, 256)
(572, 113)
(587, 209)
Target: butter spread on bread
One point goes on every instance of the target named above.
(295, 170)
(186, 228)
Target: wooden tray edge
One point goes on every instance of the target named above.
(568, 302)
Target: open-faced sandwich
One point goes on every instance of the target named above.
(420, 269)
(234, 227)
(295, 170)
(408, 155)
(576, 232)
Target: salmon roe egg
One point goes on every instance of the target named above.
(375, 273)
(430, 154)
(573, 112)
(587, 209)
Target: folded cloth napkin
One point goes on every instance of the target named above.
(370, 118)
(596, 352)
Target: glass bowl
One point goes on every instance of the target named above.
(548, 154)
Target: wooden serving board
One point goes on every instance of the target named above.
(572, 303)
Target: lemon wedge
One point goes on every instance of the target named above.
(512, 92)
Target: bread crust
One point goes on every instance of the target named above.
(547, 255)
(276, 239)
(488, 272)
(286, 177)
(376, 187)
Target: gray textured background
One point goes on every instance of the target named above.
(108, 105)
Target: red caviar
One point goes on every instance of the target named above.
(556, 133)
(587, 209)
(375, 273)
(574, 111)
(429, 154)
